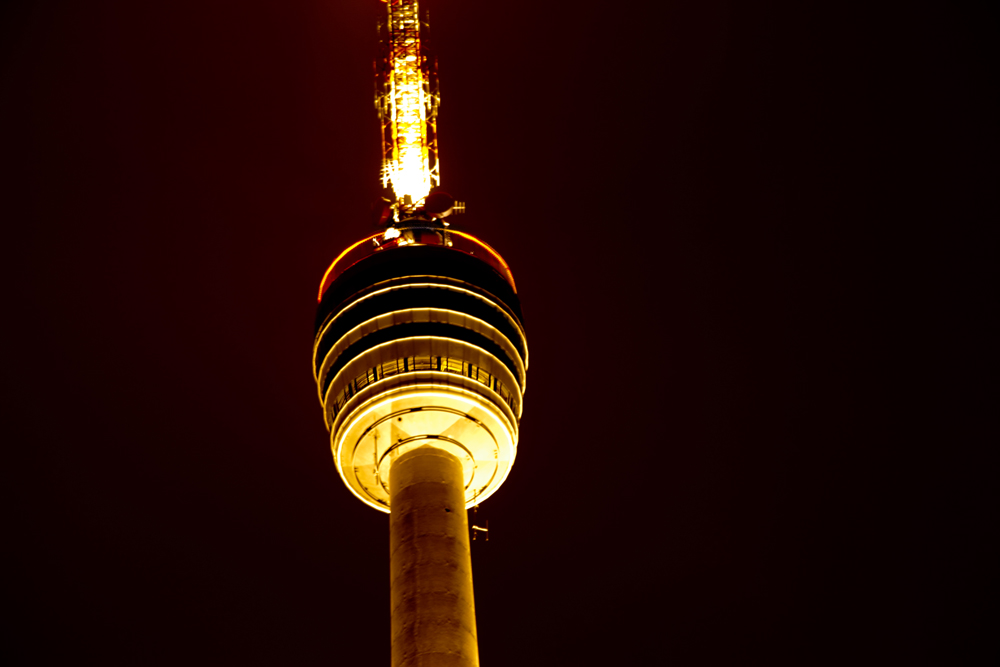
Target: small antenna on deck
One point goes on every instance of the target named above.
(478, 529)
(481, 529)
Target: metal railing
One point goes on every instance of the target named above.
(416, 364)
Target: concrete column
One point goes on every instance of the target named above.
(433, 613)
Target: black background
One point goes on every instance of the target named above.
(749, 239)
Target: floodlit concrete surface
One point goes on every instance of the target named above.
(433, 612)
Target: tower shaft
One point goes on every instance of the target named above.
(433, 613)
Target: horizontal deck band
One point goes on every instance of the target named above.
(423, 295)
(410, 330)
(418, 263)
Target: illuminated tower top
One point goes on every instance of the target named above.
(406, 97)
(419, 333)
(420, 361)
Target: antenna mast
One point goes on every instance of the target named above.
(407, 99)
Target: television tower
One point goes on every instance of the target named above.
(420, 358)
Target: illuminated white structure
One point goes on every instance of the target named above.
(419, 341)
(420, 361)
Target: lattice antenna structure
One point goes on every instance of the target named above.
(407, 99)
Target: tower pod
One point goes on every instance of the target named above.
(420, 341)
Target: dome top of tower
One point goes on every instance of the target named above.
(412, 233)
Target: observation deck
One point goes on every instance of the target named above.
(419, 340)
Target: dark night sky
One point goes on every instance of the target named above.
(750, 244)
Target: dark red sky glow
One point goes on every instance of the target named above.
(749, 244)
